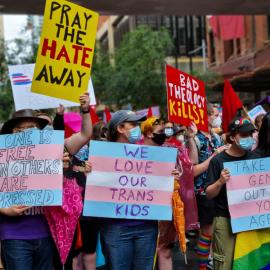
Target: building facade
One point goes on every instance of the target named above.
(246, 60)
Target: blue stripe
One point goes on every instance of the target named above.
(109, 210)
(117, 150)
(259, 165)
(249, 223)
(22, 83)
(32, 137)
(17, 74)
(31, 198)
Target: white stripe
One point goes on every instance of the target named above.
(17, 168)
(111, 179)
(248, 195)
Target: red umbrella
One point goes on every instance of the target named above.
(63, 219)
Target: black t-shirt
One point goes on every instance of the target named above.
(213, 174)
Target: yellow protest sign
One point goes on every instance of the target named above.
(66, 50)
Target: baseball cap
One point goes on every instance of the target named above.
(241, 124)
(122, 116)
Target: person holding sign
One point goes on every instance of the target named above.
(240, 138)
(155, 135)
(24, 231)
(128, 244)
(208, 145)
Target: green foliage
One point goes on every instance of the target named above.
(209, 78)
(21, 50)
(137, 74)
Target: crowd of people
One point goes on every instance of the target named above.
(26, 242)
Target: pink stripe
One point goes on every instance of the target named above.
(105, 164)
(249, 208)
(39, 152)
(248, 181)
(104, 194)
(33, 182)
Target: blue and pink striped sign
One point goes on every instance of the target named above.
(248, 193)
(31, 169)
(130, 181)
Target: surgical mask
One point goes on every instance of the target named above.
(159, 138)
(181, 138)
(217, 122)
(246, 143)
(169, 132)
(135, 134)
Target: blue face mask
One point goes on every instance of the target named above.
(246, 143)
(168, 132)
(135, 134)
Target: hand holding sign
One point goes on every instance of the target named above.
(224, 176)
(85, 102)
(13, 211)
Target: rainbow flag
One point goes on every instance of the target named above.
(252, 250)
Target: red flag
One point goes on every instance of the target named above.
(213, 21)
(230, 105)
(149, 113)
(107, 115)
(231, 27)
(93, 115)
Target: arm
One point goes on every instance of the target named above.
(77, 141)
(192, 147)
(58, 121)
(213, 190)
(202, 167)
(193, 151)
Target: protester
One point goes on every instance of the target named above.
(258, 121)
(24, 232)
(155, 135)
(208, 144)
(128, 244)
(89, 226)
(240, 138)
(263, 148)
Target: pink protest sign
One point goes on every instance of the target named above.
(248, 193)
(31, 170)
(73, 120)
(130, 181)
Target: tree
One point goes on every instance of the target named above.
(137, 75)
(21, 50)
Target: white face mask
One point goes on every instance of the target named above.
(217, 122)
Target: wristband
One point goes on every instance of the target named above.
(84, 112)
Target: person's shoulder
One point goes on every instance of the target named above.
(257, 153)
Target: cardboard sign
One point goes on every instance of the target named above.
(155, 111)
(130, 181)
(21, 82)
(248, 193)
(258, 110)
(66, 50)
(31, 169)
(186, 99)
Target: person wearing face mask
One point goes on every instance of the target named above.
(208, 145)
(240, 138)
(155, 134)
(217, 122)
(128, 244)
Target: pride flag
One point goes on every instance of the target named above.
(252, 250)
